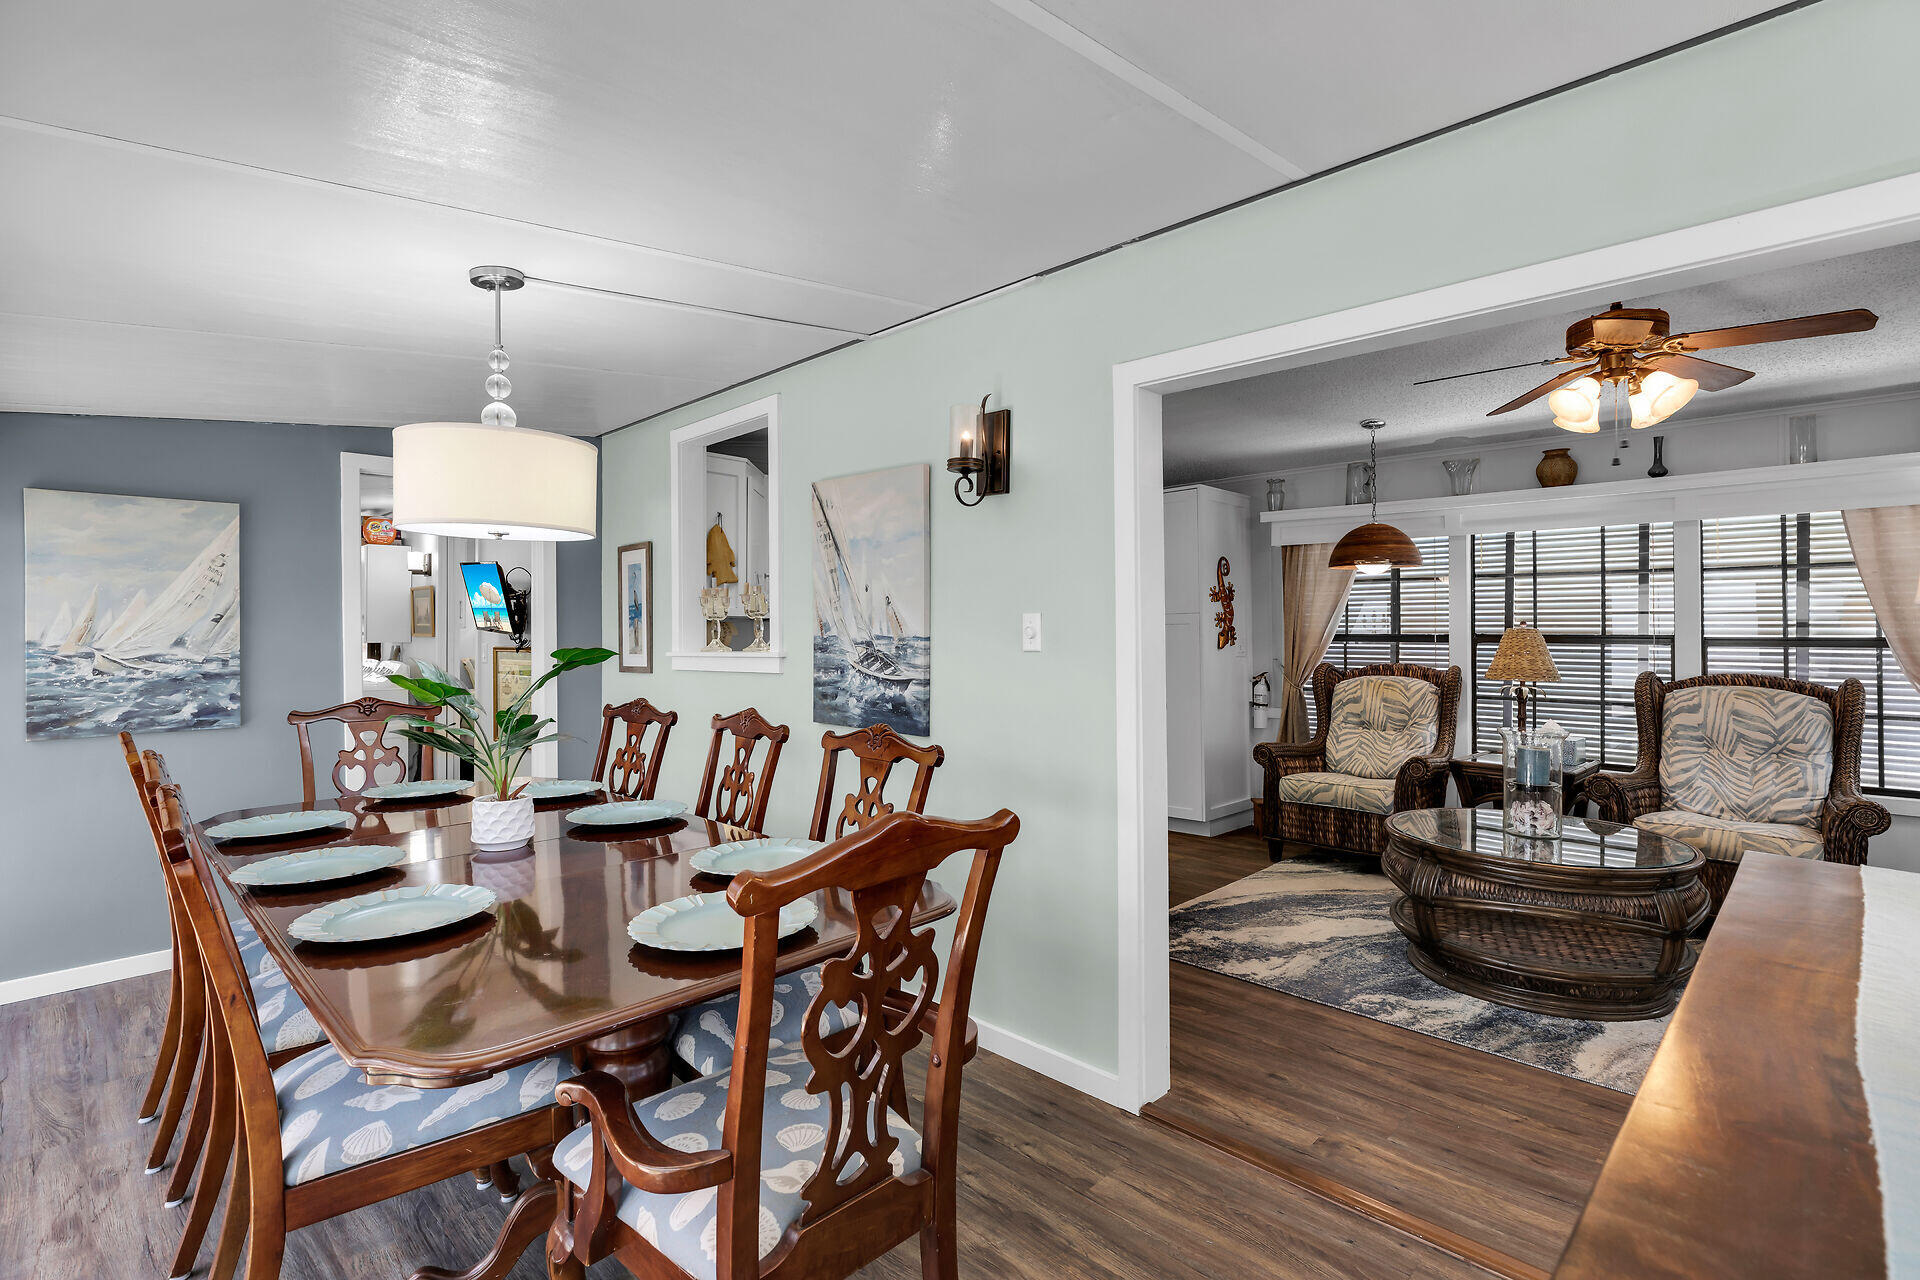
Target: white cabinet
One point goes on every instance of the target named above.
(737, 497)
(1207, 752)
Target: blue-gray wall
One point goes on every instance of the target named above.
(576, 565)
(78, 879)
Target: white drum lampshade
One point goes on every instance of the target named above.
(468, 480)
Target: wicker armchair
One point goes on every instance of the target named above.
(1835, 826)
(1348, 811)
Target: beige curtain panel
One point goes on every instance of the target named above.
(1311, 597)
(1886, 546)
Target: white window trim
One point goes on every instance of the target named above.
(686, 454)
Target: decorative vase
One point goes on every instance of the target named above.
(501, 824)
(1659, 467)
(1360, 480)
(1276, 495)
(1557, 467)
(1460, 474)
(1803, 442)
(1531, 782)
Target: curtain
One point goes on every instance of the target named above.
(1311, 596)
(1886, 546)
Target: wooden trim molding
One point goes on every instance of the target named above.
(53, 982)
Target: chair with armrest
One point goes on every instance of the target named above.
(1735, 763)
(1383, 741)
(819, 1168)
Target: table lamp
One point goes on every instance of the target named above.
(1522, 659)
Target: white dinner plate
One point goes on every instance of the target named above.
(273, 826)
(392, 913)
(627, 813)
(560, 788)
(312, 866)
(424, 789)
(765, 854)
(707, 922)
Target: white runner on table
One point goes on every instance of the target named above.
(1887, 1034)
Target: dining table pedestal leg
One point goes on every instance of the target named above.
(638, 1055)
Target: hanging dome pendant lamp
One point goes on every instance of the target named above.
(1374, 548)
(495, 479)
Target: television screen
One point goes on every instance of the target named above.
(487, 596)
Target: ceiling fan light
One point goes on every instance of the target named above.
(1661, 395)
(1576, 406)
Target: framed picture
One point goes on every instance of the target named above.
(512, 673)
(873, 630)
(133, 614)
(424, 613)
(635, 584)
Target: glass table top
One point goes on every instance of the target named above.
(1582, 843)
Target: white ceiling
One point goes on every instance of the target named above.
(246, 210)
(1299, 417)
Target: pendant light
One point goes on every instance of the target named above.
(1374, 548)
(495, 478)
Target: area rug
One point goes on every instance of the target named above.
(1320, 931)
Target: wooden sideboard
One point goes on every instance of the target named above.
(1747, 1151)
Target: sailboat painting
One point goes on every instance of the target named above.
(872, 600)
(133, 614)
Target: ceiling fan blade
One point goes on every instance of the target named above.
(1859, 320)
(1710, 376)
(1530, 364)
(1546, 388)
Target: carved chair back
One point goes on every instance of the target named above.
(367, 751)
(1326, 676)
(634, 769)
(1847, 701)
(736, 794)
(878, 748)
(857, 1206)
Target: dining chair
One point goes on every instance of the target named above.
(634, 769)
(312, 1139)
(730, 795)
(704, 1034)
(878, 748)
(367, 750)
(820, 1168)
(180, 1065)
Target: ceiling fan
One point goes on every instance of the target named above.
(1631, 348)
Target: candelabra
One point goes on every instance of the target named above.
(713, 607)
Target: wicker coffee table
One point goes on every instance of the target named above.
(1593, 925)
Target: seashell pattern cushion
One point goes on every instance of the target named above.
(284, 1020)
(689, 1117)
(703, 1036)
(332, 1119)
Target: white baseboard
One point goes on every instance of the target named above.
(1095, 1082)
(1241, 821)
(87, 975)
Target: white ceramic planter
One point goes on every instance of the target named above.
(502, 824)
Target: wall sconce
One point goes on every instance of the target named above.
(980, 453)
(420, 563)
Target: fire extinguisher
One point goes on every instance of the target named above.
(1260, 699)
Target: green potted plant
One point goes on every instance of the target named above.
(502, 818)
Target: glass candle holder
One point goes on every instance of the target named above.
(1531, 783)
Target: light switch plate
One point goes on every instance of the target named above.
(1030, 632)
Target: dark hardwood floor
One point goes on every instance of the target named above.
(1053, 1185)
(1500, 1155)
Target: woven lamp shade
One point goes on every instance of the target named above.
(1374, 544)
(1522, 655)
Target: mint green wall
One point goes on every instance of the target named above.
(1815, 101)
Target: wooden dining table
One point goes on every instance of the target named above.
(549, 968)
